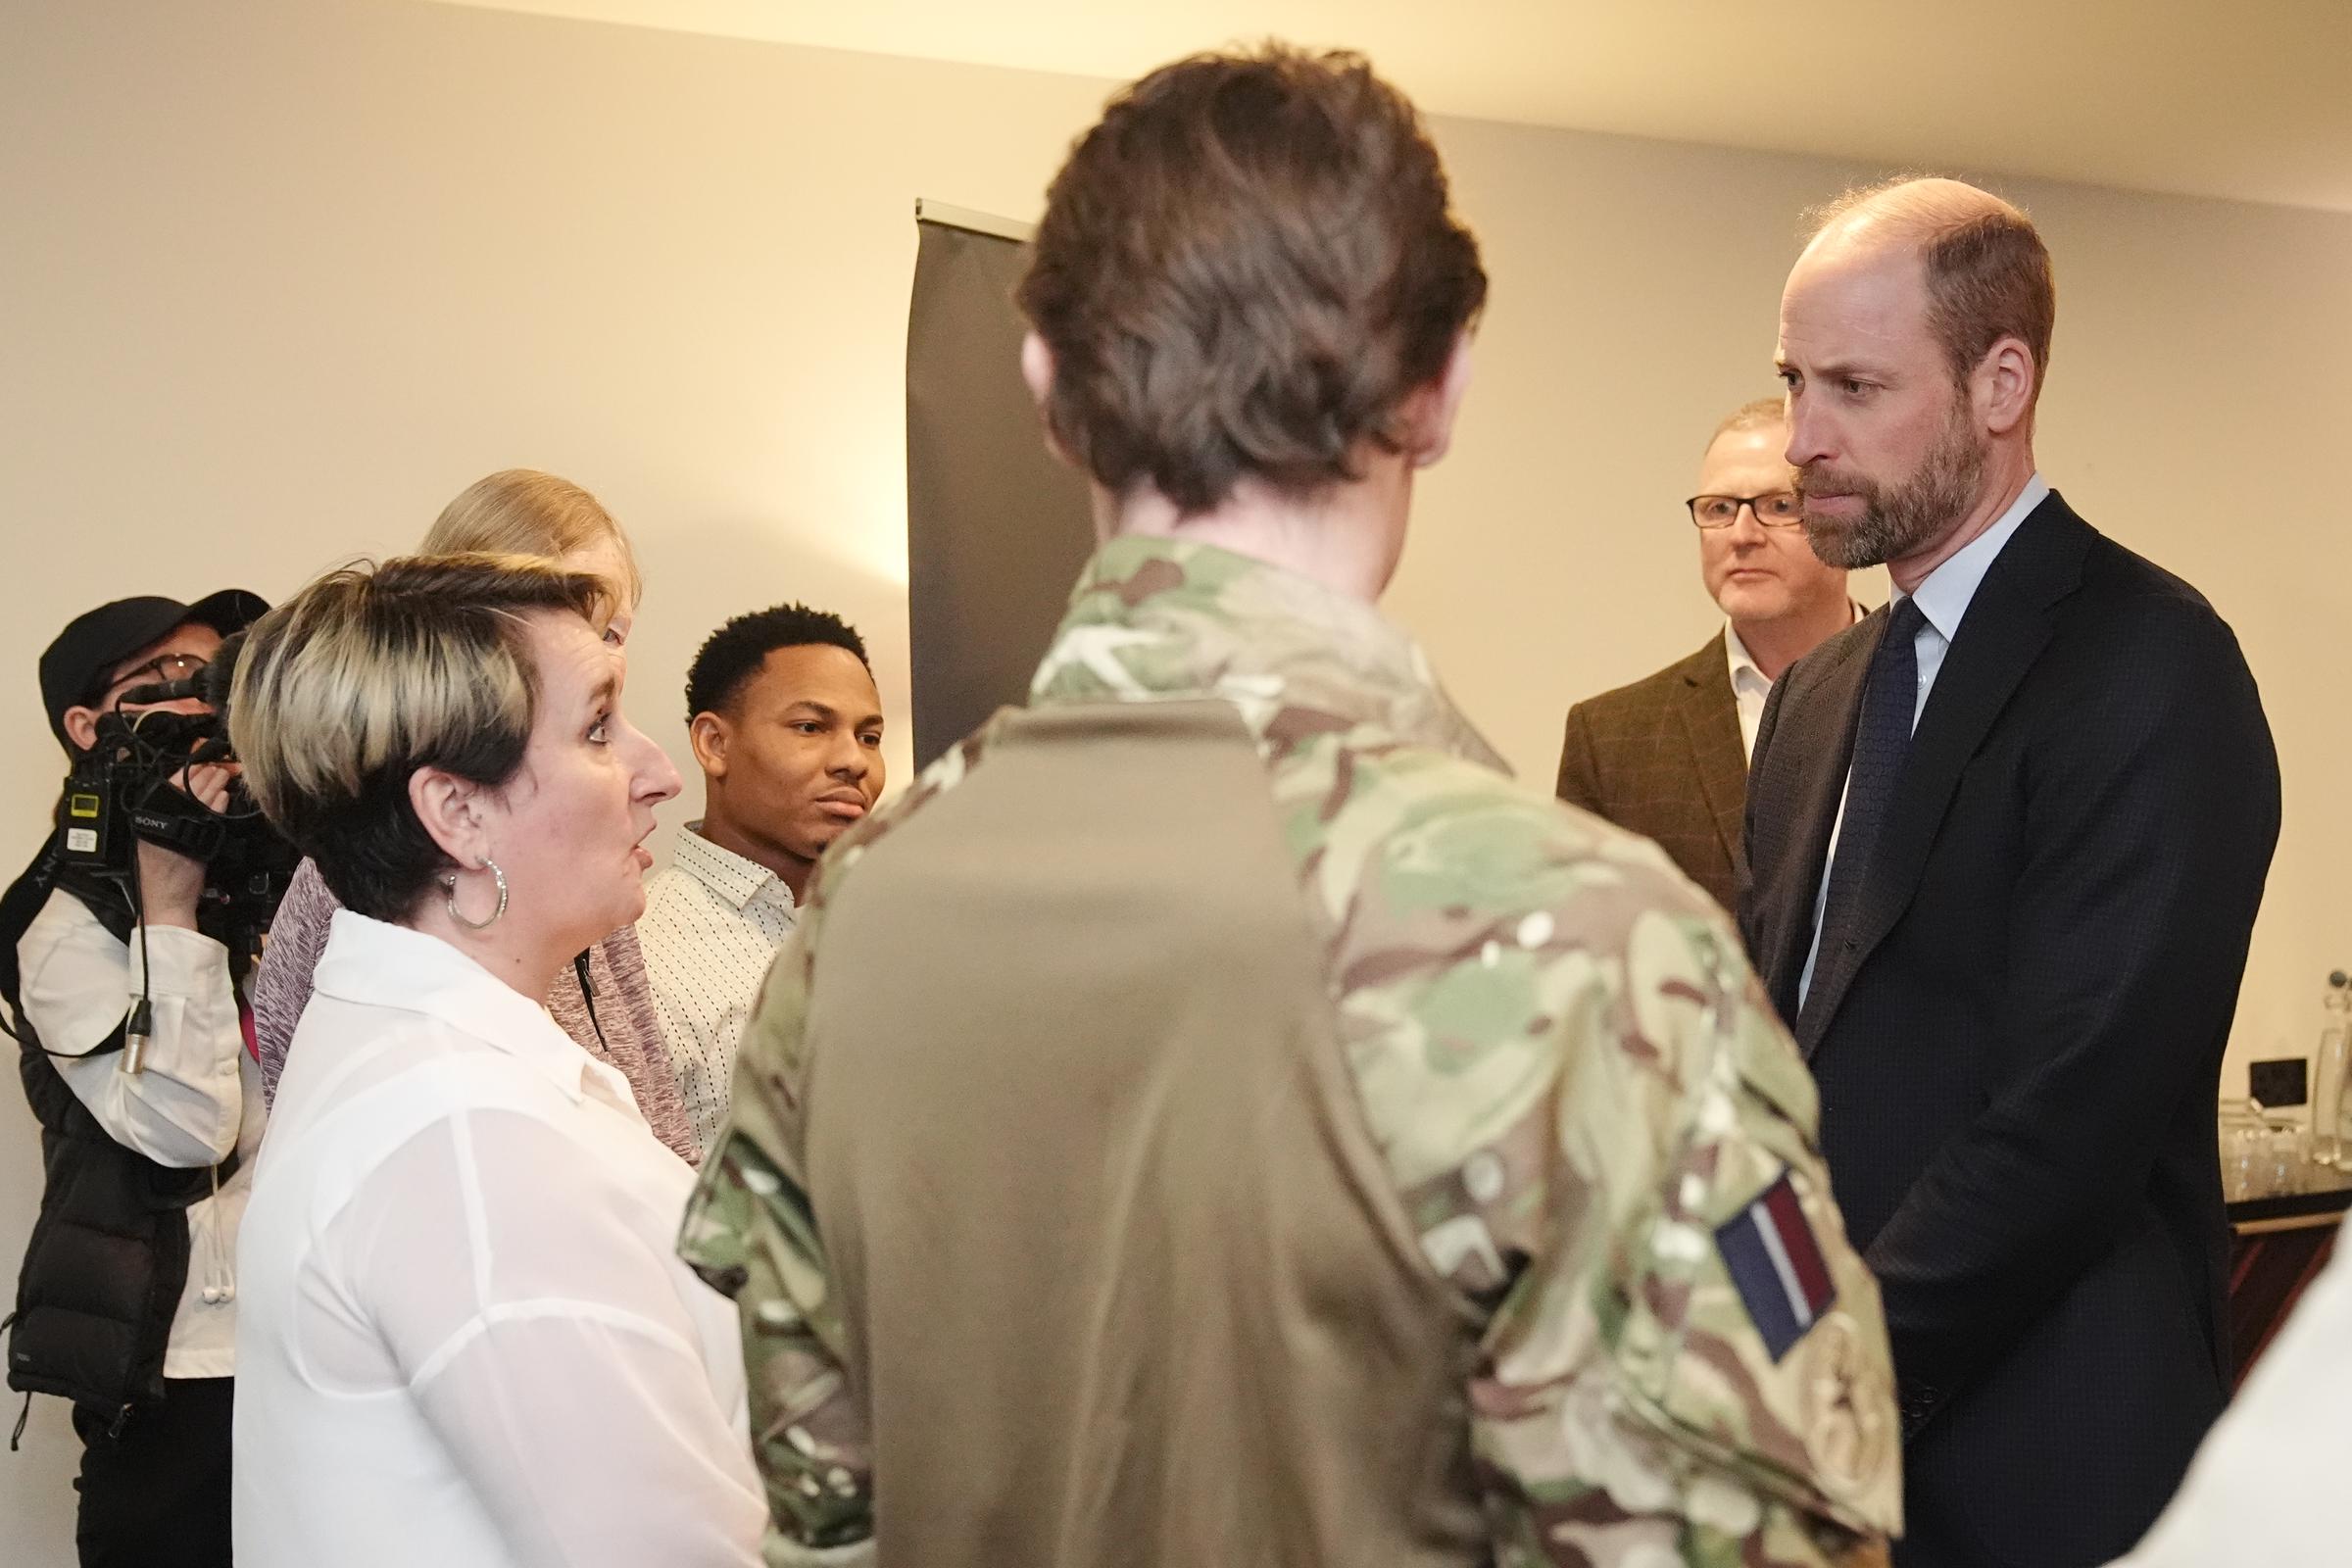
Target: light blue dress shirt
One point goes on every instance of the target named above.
(1943, 599)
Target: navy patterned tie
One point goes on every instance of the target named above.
(1881, 741)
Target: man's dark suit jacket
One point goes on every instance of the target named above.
(1662, 757)
(2019, 1049)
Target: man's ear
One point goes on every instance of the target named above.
(81, 727)
(452, 810)
(1037, 370)
(1430, 410)
(710, 734)
(2002, 385)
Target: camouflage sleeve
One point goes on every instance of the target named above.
(1691, 1358)
(748, 1230)
(1606, 1140)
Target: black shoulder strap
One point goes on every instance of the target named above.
(18, 906)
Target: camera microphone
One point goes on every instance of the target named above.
(163, 691)
(208, 685)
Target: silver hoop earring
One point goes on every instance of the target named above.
(451, 904)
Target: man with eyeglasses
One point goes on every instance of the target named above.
(1667, 756)
(134, 1057)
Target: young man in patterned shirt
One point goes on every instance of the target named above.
(787, 727)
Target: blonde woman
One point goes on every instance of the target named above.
(601, 999)
(465, 1338)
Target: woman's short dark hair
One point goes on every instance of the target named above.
(348, 688)
(1243, 270)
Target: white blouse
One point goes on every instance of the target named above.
(465, 1338)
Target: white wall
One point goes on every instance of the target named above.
(278, 276)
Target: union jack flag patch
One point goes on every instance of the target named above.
(1777, 1266)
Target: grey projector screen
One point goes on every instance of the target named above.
(996, 528)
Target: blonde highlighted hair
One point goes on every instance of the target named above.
(348, 688)
(521, 511)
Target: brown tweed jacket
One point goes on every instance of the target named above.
(1662, 757)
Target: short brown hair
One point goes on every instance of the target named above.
(521, 511)
(1988, 272)
(368, 674)
(1242, 271)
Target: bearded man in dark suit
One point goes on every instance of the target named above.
(1667, 756)
(2007, 838)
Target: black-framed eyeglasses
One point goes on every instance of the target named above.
(166, 668)
(1774, 509)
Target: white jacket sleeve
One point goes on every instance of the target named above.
(185, 1105)
(2266, 1487)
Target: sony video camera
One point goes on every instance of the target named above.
(129, 786)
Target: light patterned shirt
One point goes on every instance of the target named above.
(711, 926)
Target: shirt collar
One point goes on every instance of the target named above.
(733, 878)
(381, 965)
(1944, 599)
(1743, 662)
(1168, 619)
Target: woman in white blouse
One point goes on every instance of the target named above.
(465, 1338)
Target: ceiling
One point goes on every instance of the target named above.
(2246, 99)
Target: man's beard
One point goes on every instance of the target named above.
(1902, 518)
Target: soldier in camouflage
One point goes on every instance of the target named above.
(1215, 1116)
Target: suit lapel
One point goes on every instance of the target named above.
(1808, 760)
(2007, 625)
(1710, 715)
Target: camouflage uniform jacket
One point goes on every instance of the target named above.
(1598, 1129)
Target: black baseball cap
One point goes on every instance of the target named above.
(75, 668)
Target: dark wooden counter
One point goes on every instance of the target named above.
(2280, 1245)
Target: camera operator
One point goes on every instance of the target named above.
(135, 1058)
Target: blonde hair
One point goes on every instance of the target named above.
(369, 673)
(1755, 415)
(521, 511)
